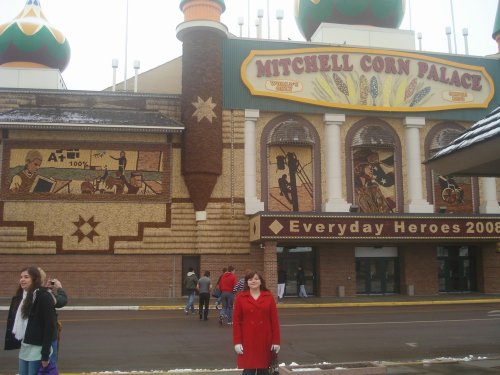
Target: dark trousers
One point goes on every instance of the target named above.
(204, 299)
(255, 371)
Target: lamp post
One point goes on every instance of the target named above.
(279, 16)
(114, 65)
(260, 15)
(465, 33)
(240, 24)
(137, 66)
(447, 30)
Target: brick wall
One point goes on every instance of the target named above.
(488, 267)
(120, 276)
(336, 267)
(419, 268)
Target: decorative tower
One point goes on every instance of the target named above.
(496, 28)
(202, 35)
(29, 41)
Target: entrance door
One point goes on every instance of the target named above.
(456, 271)
(377, 275)
(292, 257)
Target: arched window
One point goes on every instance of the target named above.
(290, 165)
(456, 194)
(373, 156)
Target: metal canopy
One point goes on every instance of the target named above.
(476, 152)
(89, 119)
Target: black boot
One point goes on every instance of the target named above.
(205, 315)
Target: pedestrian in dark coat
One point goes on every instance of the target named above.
(31, 323)
(256, 331)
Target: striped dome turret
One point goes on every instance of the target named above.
(202, 9)
(30, 41)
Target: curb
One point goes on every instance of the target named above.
(285, 306)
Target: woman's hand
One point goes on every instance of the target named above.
(45, 363)
(238, 348)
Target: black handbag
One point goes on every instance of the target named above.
(274, 368)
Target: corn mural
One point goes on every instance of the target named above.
(370, 91)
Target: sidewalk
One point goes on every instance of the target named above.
(289, 302)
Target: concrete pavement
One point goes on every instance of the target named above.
(440, 366)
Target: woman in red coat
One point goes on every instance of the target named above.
(256, 330)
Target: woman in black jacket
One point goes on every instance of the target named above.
(31, 323)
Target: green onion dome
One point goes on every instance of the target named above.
(30, 41)
(309, 14)
(496, 27)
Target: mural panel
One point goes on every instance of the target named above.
(454, 193)
(41, 171)
(374, 180)
(290, 182)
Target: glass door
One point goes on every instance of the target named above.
(377, 275)
(456, 272)
(290, 258)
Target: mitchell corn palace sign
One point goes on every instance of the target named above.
(366, 79)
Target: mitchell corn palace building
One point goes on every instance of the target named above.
(253, 153)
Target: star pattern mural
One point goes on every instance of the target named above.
(204, 109)
(86, 229)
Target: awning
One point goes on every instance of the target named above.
(474, 153)
(89, 119)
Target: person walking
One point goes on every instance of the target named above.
(256, 330)
(60, 298)
(204, 288)
(190, 283)
(281, 282)
(31, 323)
(218, 293)
(240, 284)
(301, 279)
(226, 285)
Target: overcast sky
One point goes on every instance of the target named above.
(96, 30)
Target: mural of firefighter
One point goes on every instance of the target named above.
(290, 178)
(374, 181)
(454, 193)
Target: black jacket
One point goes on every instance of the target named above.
(41, 329)
(10, 340)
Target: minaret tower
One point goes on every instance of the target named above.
(202, 35)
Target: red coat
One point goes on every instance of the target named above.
(256, 327)
(227, 282)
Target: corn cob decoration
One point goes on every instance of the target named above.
(363, 90)
(410, 89)
(341, 85)
(419, 96)
(374, 88)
